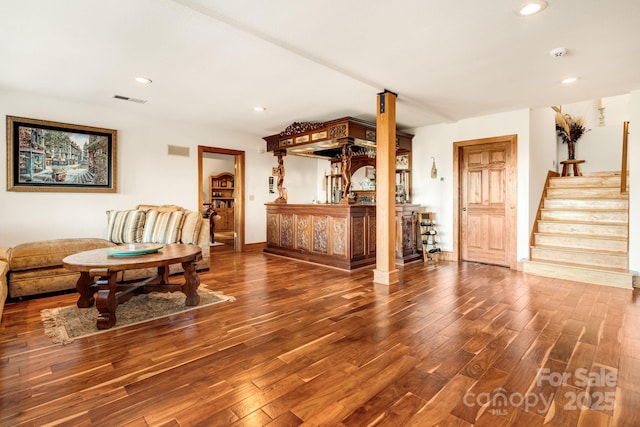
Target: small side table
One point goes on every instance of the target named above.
(566, 164)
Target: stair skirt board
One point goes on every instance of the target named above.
(580, 274)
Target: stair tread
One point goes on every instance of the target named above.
(583, 267)
(606, 182)
(609, 187)
(575, 212)
(604, 173)
(610, 225)
(587, 197)
(581, 250)
(578, 222)
(571, 209)
(584, 236)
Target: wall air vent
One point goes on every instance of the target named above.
(177, 150)
(126, 98)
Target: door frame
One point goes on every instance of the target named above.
(238, 212)
(511, 188)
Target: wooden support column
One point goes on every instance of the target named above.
(385, 272)
(282, 192)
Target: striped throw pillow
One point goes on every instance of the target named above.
(191, 227)
(125, 226)
(162, 227)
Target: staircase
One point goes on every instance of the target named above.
(581, 231)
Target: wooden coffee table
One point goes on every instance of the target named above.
(103, 266)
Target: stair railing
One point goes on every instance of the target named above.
(623, 178)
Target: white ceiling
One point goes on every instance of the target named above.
(212, 61)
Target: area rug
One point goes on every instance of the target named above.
(64, 324)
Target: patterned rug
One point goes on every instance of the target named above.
(64, 324)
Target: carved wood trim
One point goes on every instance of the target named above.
(320, 235)
(303, 232)
(301, 127)
(338, 236)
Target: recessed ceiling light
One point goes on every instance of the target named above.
(144, 80)
(569, 80)
(531, 7)
(259, 108)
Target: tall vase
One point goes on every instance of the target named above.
(572, 149)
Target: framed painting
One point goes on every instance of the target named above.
(402, 162)
(51, 156)
(370, 173)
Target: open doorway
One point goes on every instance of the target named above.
(221, 186)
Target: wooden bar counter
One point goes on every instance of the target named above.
(337, 235)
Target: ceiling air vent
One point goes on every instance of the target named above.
(126, 98)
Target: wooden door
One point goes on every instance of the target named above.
(485, 222)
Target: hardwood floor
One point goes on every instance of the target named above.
(453, 344)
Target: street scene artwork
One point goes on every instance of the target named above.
(47, 156)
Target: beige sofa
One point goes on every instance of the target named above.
(36, 267)
(4, 267)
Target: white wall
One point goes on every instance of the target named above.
(146, 173)
(542, 156)
(600, 146)
(437, 194)
(300, 178)
(634, 181)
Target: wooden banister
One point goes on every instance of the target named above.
(623, 178)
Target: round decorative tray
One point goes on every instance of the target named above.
(134, 249)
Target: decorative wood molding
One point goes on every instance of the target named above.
(358, 227)
(320, 237)
(300, 134)
(338, 232)
(341, 236)
(286, 230)
(273, 229)
(272, 145)
(303, 231)
(339, 131)
(301, 127)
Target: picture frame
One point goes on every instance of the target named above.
(370, 173)
(60, 157)
(402, 162)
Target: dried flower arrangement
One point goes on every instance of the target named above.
(569, 129)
